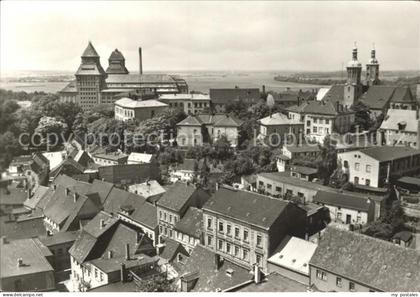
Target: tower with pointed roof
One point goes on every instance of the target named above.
(372, 69)
(116, 63)
(353, 87)
(90, 79)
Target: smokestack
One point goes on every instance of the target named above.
(19, 262)
(140, 62)
(127, 251)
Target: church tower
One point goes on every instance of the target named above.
(372, 69)
(353, 86)
(90, 79)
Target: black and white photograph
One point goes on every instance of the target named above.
(209, 146)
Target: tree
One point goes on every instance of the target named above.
(362, 116)
(156, 283)
(223, 148)
(327, 160)
(52, 130)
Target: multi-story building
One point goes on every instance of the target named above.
(25, 266)
(173, 205)
(221, 97)
(246, 228)
(207, 128)
(94, 85)
(105, 250)
(189, 103)
(140, 110)
(298, 150)
(188, 230)
(108, 159)
(345, 208)
(277, 128)
(376, 166)
(347, 261)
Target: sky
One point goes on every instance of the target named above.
(175, 35)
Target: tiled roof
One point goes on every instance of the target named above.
(202, 264)
(303, 148)
(103, 189)
(190, 121)
(59, 238)
(177, 196)
(116, 55)
(225, 121)
(377, 263)
(323, 107)
(27, 228)
(135, 173)
(343, 200)
(395, 117)
(33, 201)
(191, 222)
(70, 88)
(224, 96)
(117, 198)
(130, 103)
(90, 51)
(275, 282)
(297, 108)
(256, 209)
(114, 264)
(403, 95)
(304, 169)
(410, 180)
(278, 119)
(67, 166)
(388, 153)
(142, 211)
(334, 94)
(171, 248)
(377, 97)
(148, 189)
(30, 251)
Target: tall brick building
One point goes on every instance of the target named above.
(93, 85)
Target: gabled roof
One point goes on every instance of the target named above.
(27, 228)
(224, 96)
(176, 196)
(90, 51)
(148, 189)
(103, 189)
(33, 201)
(190, 121)
(403, 95)
(388, 153)
(171, 249)
(191, 222)
(334, 94)
(377, 97)
(376, 263)
(255, 209)
(343, 200)
(396, 117)
(201, 265)
(324, 107)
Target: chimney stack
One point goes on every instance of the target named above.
(127, 251)
(140, 62)
(29, 192)
(109, 254)
(102, 223)
(75, 197)
(19, 262)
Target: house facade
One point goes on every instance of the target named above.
(188, 103)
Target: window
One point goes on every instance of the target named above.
(209, 240)
(339, 215)
(261, 183)
(321, 275)
(236, 251)
(259, 240)
(228, 248)
(259, 259)
(245, 255)
(327, 121)
(101, 276)
(245, 235)
(314, 129)
(220, 245)
(220, 226)
(209, 223)
(236, 232)
(338, 282)
(367, 182)
(308, 123)
(96, 273)
(278, 189)
(315, 120)
(269, 186)
(160, 214)
(228, 229)
(356, 166)
(351, 286)
(170, 218)
(368, 168)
